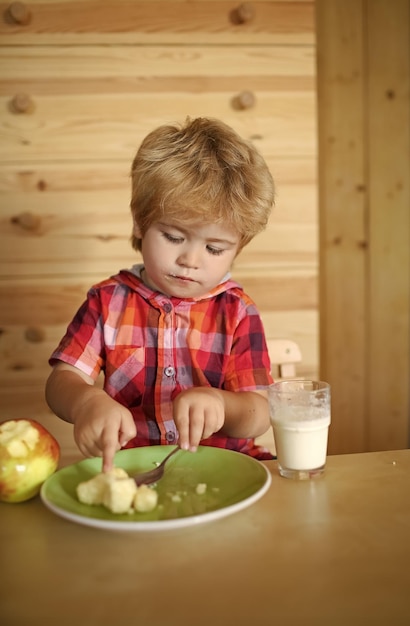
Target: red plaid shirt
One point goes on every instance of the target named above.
(150, 347)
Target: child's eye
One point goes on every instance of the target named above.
(215, 251)
(172, 238)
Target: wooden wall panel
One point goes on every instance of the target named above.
(195, 22)
(99, 76)
(141, 67)
(94, 134)
(105, 105)
(342, 202)
(364, 179)
(389, 225)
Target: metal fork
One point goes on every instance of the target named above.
(152, 476)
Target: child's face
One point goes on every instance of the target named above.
(187, 261)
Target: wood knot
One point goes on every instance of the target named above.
(35, 334)
(17, 13)
(105, 238)
(244, 100)
(243, 14)
(22, 103)
(20, 366)
(27, 221)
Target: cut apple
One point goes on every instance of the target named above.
(29, 454)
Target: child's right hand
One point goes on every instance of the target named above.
(102, 427)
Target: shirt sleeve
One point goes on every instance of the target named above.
(83, 343)
(249, 365)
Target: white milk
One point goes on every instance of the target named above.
(301, 444)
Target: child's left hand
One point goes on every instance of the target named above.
(198, 413)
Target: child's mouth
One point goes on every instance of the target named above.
(184, 279)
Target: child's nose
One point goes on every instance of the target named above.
(189, 257)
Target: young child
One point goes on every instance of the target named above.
(181, 346)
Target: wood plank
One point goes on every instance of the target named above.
(149, 68)
(23, 361)
(276, 292)
(171, 22)
(300, 326)
(389, 224)
(152, 84)
(342, 223)
(33, 180)
(42, 302)
(111, 128)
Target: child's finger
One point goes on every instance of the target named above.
(182, 423)
(109, 446)
(108, 457)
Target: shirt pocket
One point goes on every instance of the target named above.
(125, 365)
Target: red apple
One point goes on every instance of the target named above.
(28, 455)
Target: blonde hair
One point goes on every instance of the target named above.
(201, 170)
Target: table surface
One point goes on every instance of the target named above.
(334, 550)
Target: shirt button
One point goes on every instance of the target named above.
(170, 436)
(167, 307)
(169, 371)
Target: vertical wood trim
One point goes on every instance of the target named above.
(389, 222)
(364, 197)
(342, 210)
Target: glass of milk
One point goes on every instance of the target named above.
(300, 416)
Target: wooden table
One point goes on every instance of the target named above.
(327, 552)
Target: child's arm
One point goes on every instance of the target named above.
(101, 425)
(202, 411)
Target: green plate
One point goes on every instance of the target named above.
(233, 481)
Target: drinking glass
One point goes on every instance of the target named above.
(300, 417)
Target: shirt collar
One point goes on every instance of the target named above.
(132, 278)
